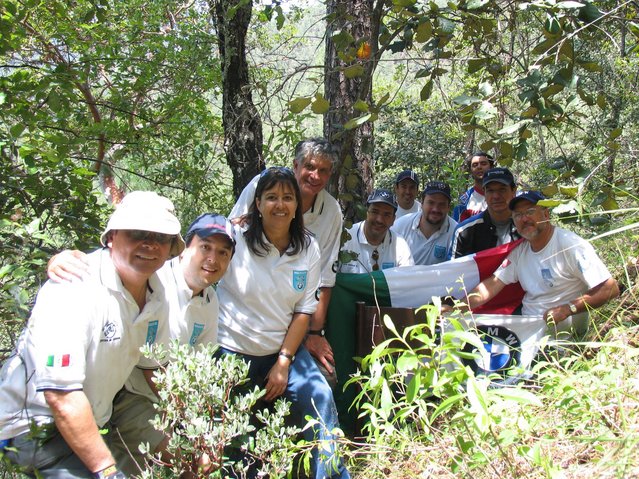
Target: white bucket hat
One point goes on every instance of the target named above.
(146, 211)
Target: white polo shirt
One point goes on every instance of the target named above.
(564, 269)
(324, 220)
(259, 295)
(192, 320)
(84, 335)
(393, 251)
(426, 251)
(413, 209)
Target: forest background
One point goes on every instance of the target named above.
(191, 99)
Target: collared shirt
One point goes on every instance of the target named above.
(192, 320)
(413, 209)
(324, 220)
(393, 251)
(260, 294)
(426, 251)
(84, 335)
(479, 233)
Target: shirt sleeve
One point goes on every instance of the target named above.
(404, 256)
(507, 271)
(588, 266)
(330, 248)
(245, 200)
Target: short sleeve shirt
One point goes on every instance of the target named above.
(564, 269)
(260, 294)
(84, 335)
(413, 209)
(324, 220)
(393, 251)
(426, 251)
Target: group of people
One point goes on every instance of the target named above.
(77, 366)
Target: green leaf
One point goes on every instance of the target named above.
(475, 4)
(361, 105)
(298, 104)
(465, 100)
(424, 32)
(320, 105)
(427, 91)
(569, 4)
(355, 122)
(590, 66)
(485, 111)
(519, 395)
(476, 64)
(404, 3)
(353, 71)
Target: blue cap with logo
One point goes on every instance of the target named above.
(407, 175)
(531, 195)
(210, 224)
(382, 196)
(433, 187)
(498, 175)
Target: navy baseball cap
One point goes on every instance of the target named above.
(210, 224)
(499, 175)
(407, 174)
(533, 196)
(382, 196)
(433, 187)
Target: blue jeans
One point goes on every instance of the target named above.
(310, 395)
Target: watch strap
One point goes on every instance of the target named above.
(290, 357)
(317, 332)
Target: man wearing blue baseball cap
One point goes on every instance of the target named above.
(81, 343)
(193, 314)
(560, 273)
(372, 245)
(406, 191)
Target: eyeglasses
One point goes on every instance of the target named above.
(375, 257)
(151, 236)
(528, 213)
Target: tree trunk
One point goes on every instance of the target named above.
(240, 119)
(353, 179)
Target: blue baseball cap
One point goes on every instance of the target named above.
(533, 196)
(210, 224)
(433, 187)
(382, 196)
(498, 175)
(407, 175)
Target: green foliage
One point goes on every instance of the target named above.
(206, 402)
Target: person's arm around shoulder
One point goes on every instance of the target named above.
(67, 265)
(74, 420)
(591, 299)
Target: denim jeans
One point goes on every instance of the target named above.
(310, 395)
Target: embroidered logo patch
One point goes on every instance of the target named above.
(546, 274)
(109, 332)
(299, 280)
(440, 252)
(59, 360)
(151, 332)
(197, 330)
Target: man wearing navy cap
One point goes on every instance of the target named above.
(372, 246)
(406, 190)
(429, 232)
(560, 272)
(494, 226)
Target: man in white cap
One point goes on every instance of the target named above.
(81, 343)
(372, 244)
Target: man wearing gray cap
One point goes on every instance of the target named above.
(372, 244)
(429, 232)
(81, 343)
(406, 191)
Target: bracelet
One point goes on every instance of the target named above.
(317, 332)
(110, 472)
(290, 357)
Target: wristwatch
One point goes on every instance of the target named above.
(573, 308)
(317, 332)
(290, 357)
(110, 472)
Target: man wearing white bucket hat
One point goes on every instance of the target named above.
(81, 343)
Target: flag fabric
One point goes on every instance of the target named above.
(413, 287)
(59, 360)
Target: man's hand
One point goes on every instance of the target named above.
(557, 314)
(318, 346)
(67, 266)
(277, 379)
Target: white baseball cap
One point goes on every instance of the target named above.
(146, 211)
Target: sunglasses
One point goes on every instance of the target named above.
(375, 256)
(150, 236)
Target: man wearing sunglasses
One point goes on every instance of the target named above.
(81, 343)
(560, 273)
(372, 245)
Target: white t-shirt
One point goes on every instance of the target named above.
(426, 251)
(564, 269)
(84, 335)
(324, 220)
(413, 209)
(259, 295)
(393, 251)
(192, 320)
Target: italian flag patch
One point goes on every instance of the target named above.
(59, 360)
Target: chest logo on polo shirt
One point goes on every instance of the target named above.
(546, 274)
(197, 330)
(109, 332)
(299, 280)
(502, 350)
(440, 252)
